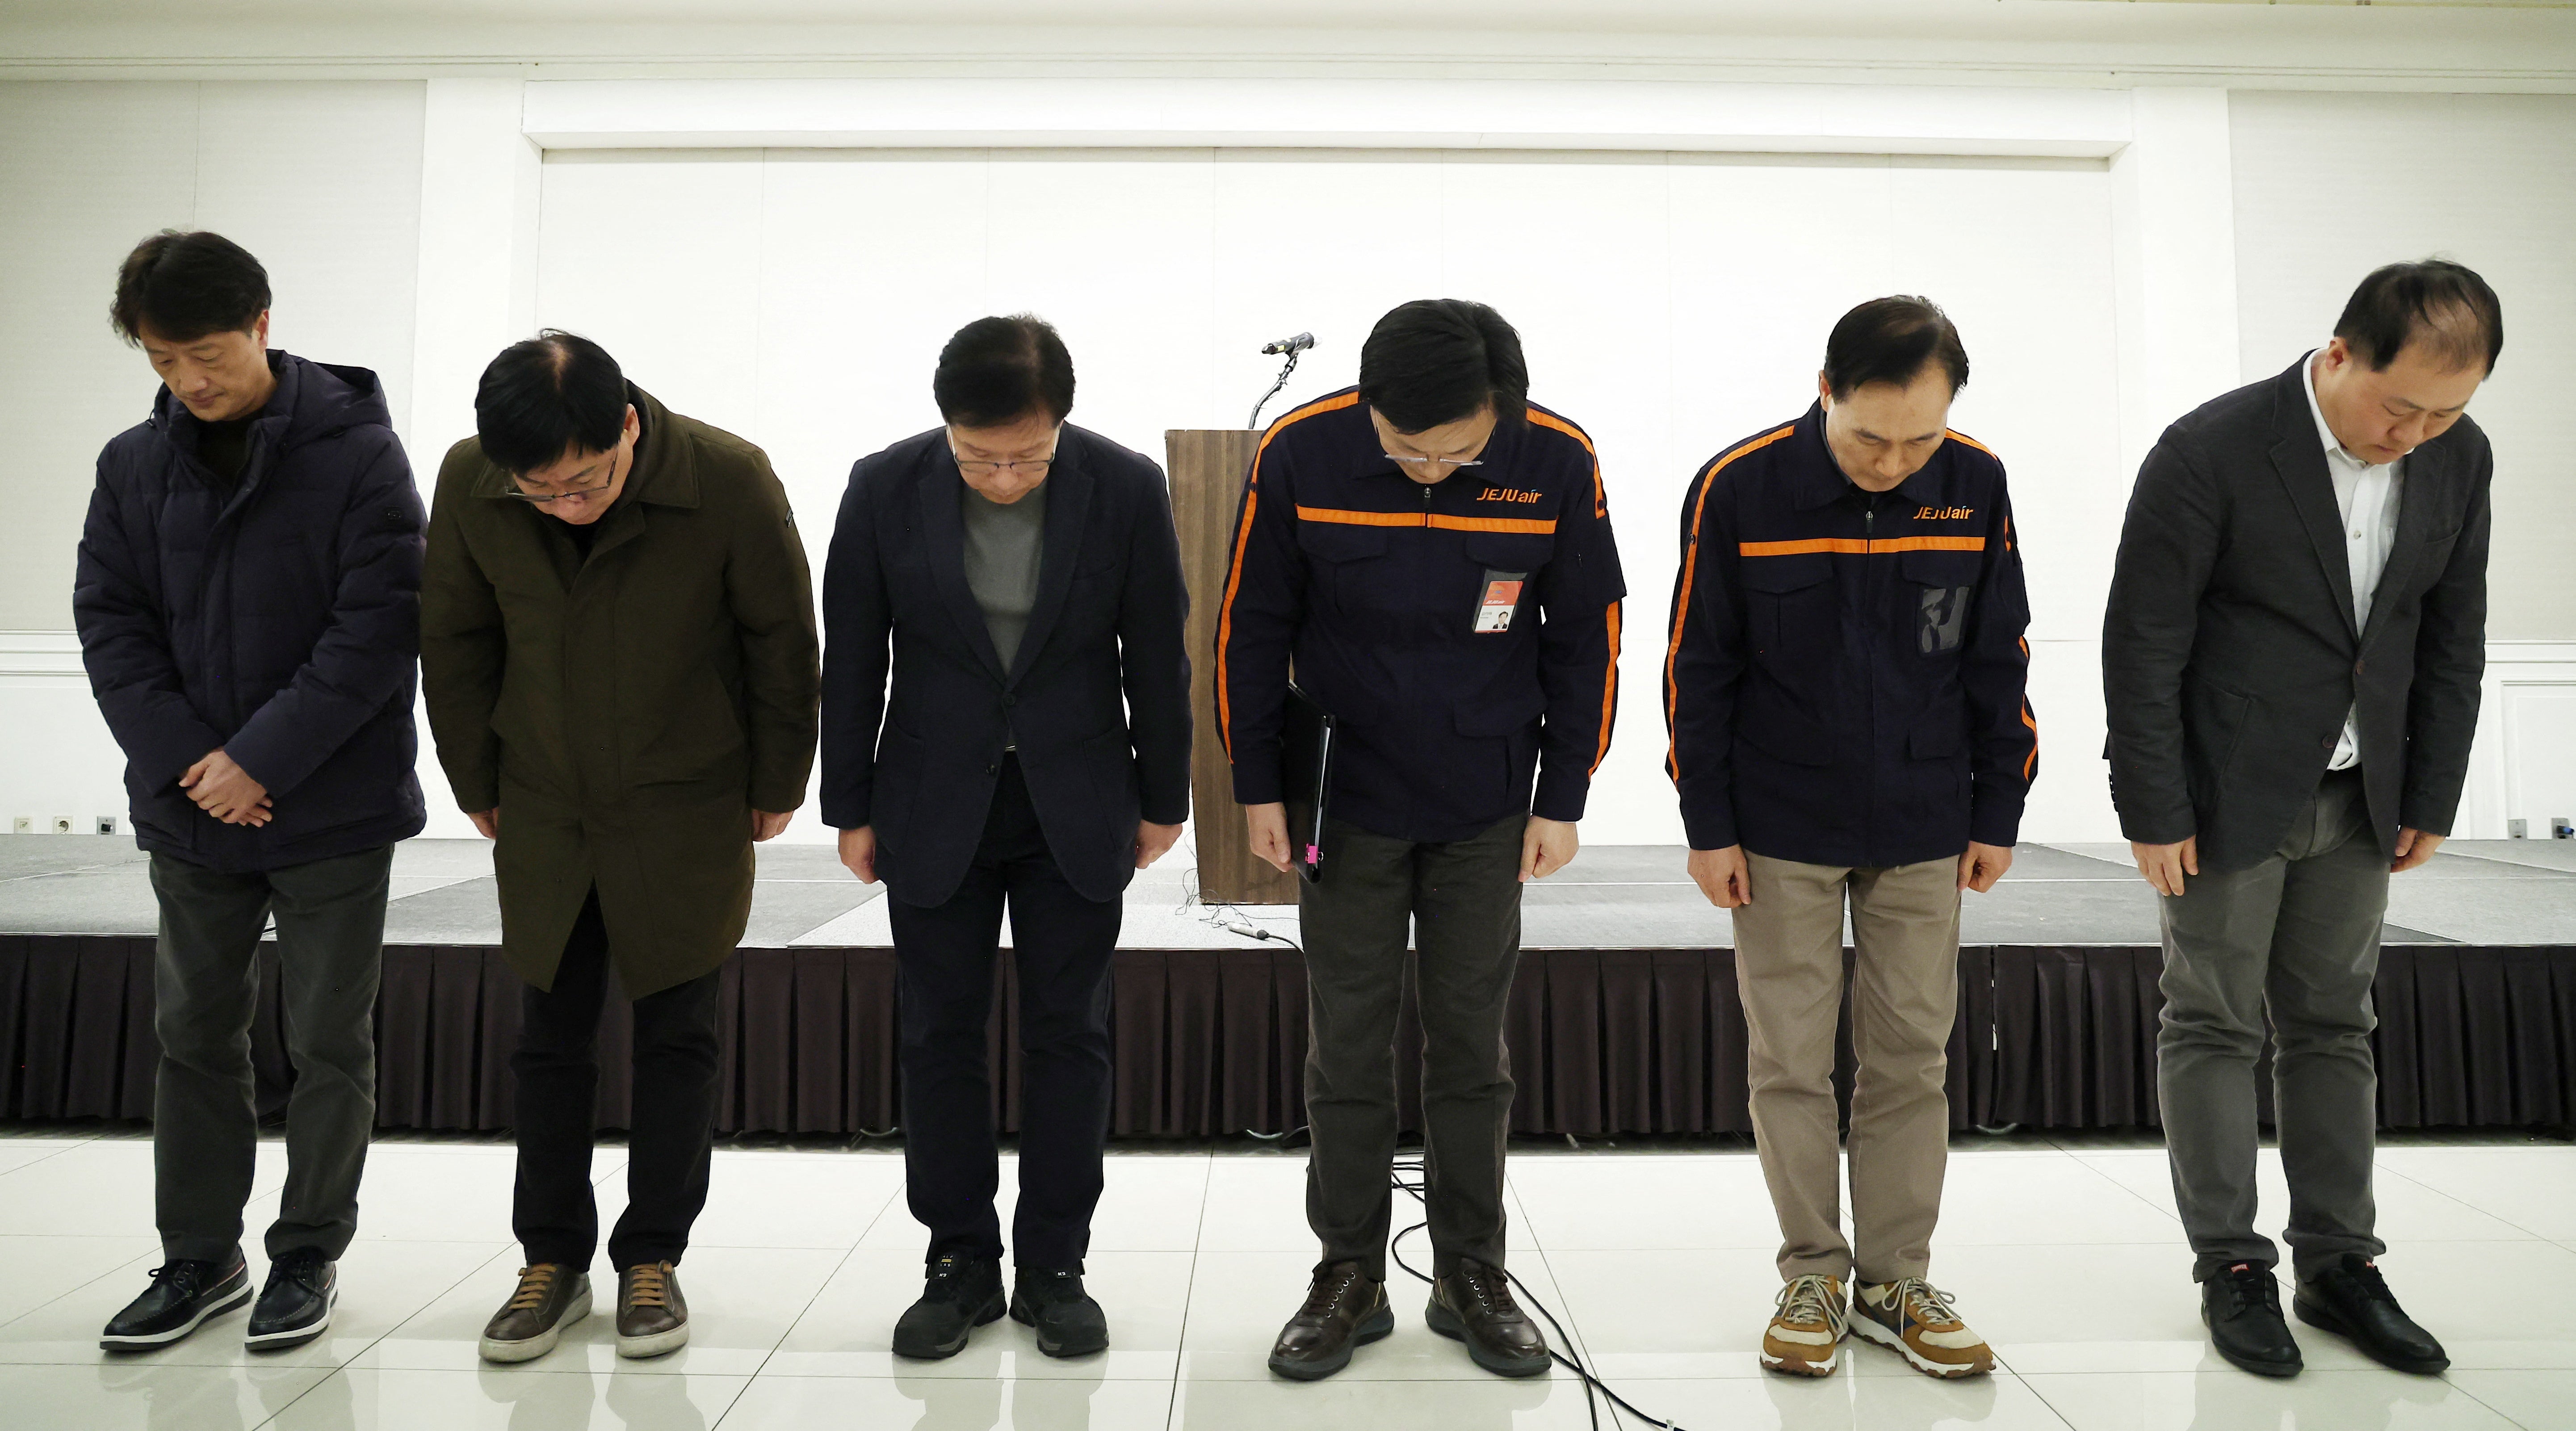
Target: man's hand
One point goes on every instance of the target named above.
(226, 791)
(859, 853)
(2414, 847)
(1723, 876)
(488, 822)
(766, 826)
(1546, 845)
(2165, 865)
(1154, 841)
(1269, 826)
(1982, 865)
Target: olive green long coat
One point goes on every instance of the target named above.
(625, 714)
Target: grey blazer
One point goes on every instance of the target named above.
(2229, 651)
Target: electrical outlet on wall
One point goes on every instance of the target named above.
(22, 825)
(2517, 829)
(60, 824)
(107, 824)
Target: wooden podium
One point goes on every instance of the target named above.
(1207, 469)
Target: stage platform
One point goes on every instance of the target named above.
(1625, 1016)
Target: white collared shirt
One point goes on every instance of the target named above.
(2366, 496)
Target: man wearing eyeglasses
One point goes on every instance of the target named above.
(618, 648)
(1433, 551)
(1019, 579)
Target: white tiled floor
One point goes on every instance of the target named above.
(1659, 1266)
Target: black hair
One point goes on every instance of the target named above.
(547, 397)
(1436, 360)
(183, 286)
(996, 371)
(1892, 340)
(2436, 302)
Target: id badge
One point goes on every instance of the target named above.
(1497, 599)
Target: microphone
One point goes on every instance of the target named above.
(1290, 346)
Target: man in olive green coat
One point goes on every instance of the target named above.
(618, 649)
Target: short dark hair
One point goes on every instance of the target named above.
(996, 371)
(1436, 360)
(183, 286)
(2436, 302)
(546, 397)
(1892, 340)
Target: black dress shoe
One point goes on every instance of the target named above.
(1475, 1306)
(2351, 1298)
(2243, 1308)
(1067, 1321)
(295, 1306)
(1345, 1308)
(184, 1293)
(960, 1294)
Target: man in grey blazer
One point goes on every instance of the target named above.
(2290, 659)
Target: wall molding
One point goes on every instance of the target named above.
(2447, 47)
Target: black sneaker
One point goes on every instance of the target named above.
(2243, 1308)
(1067, 1321)
(295, 1306)
(184, 1293)
(960, 1294)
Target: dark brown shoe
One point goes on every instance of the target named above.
(1475, 1306)
(652, 1316)
(1345, 1308)
(550, 1297)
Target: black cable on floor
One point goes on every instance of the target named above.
(1566, 1359)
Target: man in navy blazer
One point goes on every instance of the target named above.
(1022, 578)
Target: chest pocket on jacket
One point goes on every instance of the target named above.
(1347, 566)
(1505, 551)
(1942, 586)
(1789, 606)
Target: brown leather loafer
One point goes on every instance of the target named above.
(549, 1298)
(1475, 1306)
(1344, 1308)
(652, 1316)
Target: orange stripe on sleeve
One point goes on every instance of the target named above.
(1958, 436)
(1243, 539)
(1609, 695)
(1681, 608)
(1544, 418)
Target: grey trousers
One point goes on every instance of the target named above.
(1462, 900)
(1905, 1001)
(2297, 937)
(205, 982)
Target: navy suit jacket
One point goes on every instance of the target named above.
(1097, 701)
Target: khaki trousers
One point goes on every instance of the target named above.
(1905, 994)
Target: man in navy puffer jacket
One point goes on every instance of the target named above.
(249, 608)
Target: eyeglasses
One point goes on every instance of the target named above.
(1423, 464)
(542, 498)
(1034, 466)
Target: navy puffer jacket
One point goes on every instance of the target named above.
(278, 620)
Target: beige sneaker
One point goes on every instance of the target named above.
(1914, 1319)
(1806, 1335)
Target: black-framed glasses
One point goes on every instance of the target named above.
(1034, 466)
(542, 498)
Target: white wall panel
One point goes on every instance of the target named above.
(1670, 304)
(2330, 186)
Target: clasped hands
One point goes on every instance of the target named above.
(226, 791)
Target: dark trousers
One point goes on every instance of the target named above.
(2297, 937)
(1061, 944)
(205, 986)
(670, 1136)
(1463, 901)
